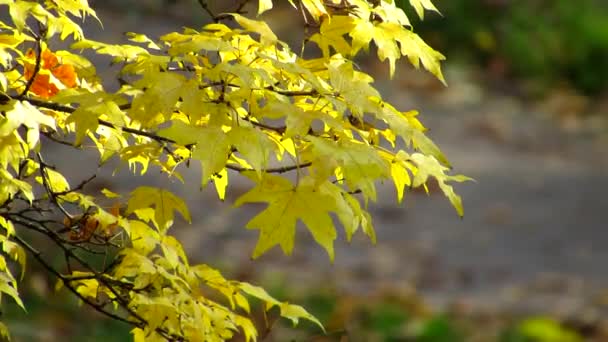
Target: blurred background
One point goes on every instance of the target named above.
(525, 114)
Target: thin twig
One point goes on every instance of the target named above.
(47, 187)
(67, 109)
(208, 10)
(280, 129)
(38, 256)
(282, 169)
(77, 187)
(30, 82)
(52, 138)
(240, 7)
(136, 132)
(28, 223)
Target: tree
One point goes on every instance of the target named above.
(231, 97)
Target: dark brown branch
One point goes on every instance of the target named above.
(31, 224)
(38, 227)
(282, 169)
(67, 109)
(38, 256)
(223, 16)
(136, 132)
(205, 7)
(280, 129)
(77, 187)
(52, 138)
(47, 105)
(240, 7)
(312, 92)
(30, 82)
(47, 187)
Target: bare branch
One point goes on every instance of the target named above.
(77, 187)
(282, 169)
(47, 187)
(205, 7)
(103, 279)
(30, 82)
(99, 308)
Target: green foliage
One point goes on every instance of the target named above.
(387, 320)
(540, 329)
(439, 329)
(229, 96)
(543, 42)
(386, 317)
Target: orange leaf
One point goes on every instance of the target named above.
(66, 74)
(43, 85)
(49, 60)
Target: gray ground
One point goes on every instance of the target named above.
(534, 234)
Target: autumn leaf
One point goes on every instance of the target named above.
(309, 129)
(264, 5)
(421, 5)
(164, 203)
(288, 203)
(52, 75)
(290, 311)
(429, 166)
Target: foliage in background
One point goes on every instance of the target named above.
(229, 97)
(377, 317)
(543, 42)
(392, 315)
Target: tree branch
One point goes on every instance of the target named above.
(32, 224)
(205, 7)
(38, 256)
(282, 169)
(47, 187)
(67, 109)
(77, 187)
(30, 82)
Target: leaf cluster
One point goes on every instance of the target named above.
(312, 134)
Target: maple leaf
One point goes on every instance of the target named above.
(164, 202)
(253, 145)
(331, 34)
(212, 146)
(288, 203)
(399, 173)
(421, 5)
(290, 311)
(316, 8)
(52, 75)
(360, 165)
(24, 113)
(267, 37)
(429, 166)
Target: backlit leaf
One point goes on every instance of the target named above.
(164, 203)
(288, 203)
(264, 5)
(429, 166)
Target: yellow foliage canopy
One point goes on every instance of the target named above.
(235, 100)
